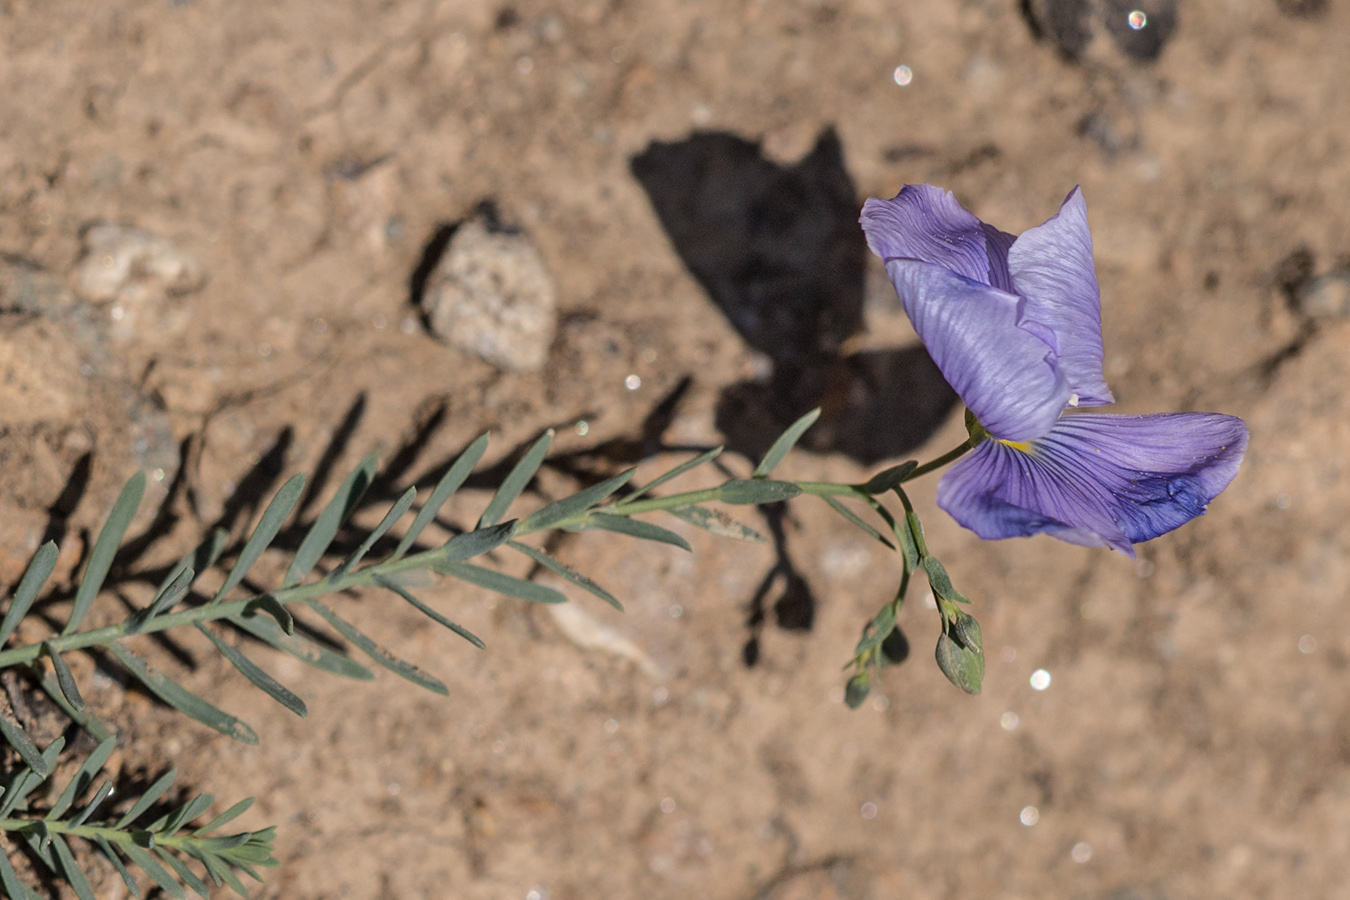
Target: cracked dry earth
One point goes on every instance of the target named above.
(282, 178)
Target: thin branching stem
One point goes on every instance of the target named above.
(210, 612)
(120, 836)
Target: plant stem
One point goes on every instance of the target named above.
(211, 611)
(366, 577)
(954, 454)
(90, 832)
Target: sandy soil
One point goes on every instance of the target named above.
(689, 173)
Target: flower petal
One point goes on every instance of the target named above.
(1097, 479)
(1006, 375)
(1051, 267)
(926, 223)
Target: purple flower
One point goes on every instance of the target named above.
(1014, 324)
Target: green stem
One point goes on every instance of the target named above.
(366, 577)
(954, 454)
(213, 611)
(90, 832)
(650, 504)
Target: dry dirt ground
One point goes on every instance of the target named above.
(677, 165)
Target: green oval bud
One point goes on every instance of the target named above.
(857, 690)
(967, 631)
(963, 668)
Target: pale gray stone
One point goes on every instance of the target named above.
(1326, 296)
(491, 295)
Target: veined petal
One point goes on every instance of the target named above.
(1051, 267)
(1005, 374)
(1097, 479)
(926, 223)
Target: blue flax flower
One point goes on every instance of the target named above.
(1014, 324)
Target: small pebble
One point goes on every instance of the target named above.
(125, 264)
(491, 295)
(1325, 297)
(139, 279)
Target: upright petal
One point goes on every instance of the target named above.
(1005, 374)
(1051, 267)
(1097, 479)
(926, 223)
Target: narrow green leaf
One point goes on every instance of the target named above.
(636, 528)
(104, 791)
(268, 603)
(214, 867)
(34, 577)
(887, 479)
(911, 540)
(326, 526)
(716, 522)
(428, 611)
(231, 880)
(200, 559)
(878, 629)
(111, 854)
(81, 717)
(563, 571)
(147, 800)
(395, 513)
(158, 874)
(577, 503)
(939, 581)
(786, 441)
(82, 778)
(39, 840)
(257, 852)
(74, 876)
(9, 879)
(181, 699)
(266, 531)
(226, 817)
(220, 843)
(187, 876)
(674, 473)
(302, 648)
(516, 481)
(175, 821)
(853, 517)
(105, 548)
(449, 483)
(27, 778)
(269, 685)
(17, 738)
(476, 543)
(500, 582)
(376, 652)
(172, 593)
(751, 491)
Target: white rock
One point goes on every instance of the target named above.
(491, 295)
(140, 273)
(117, 257)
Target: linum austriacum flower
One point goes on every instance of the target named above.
(1014, 325)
